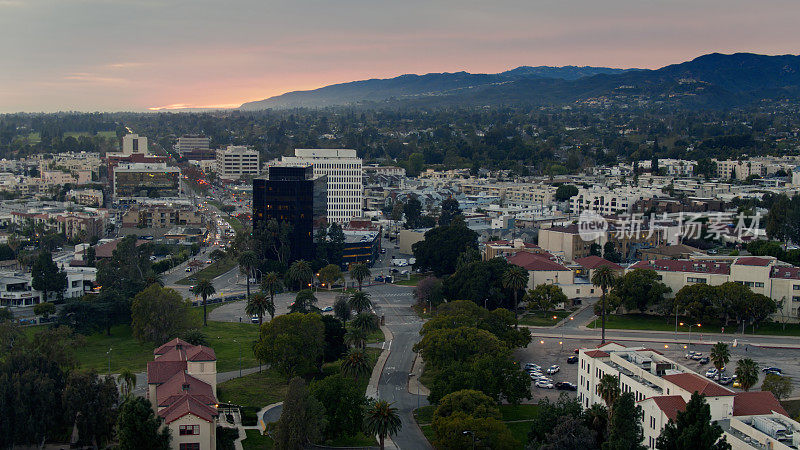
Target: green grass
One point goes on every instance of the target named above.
(257, 390)
(376, 336)
(358, 440)
(427, 430)
(214, 270)
(412, 281)
(792, 407)
(519, 412)
(540, 319)
(667, 323)
(520, 431)
(255, 441)
(517, 418)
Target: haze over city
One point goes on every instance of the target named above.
(108, 55)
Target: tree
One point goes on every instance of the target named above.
(356, 364)
(449, 210)
(545, 296)
(747, 373)
(6, 315)
(330, 274)
(610, 253)
(359, 273)
(360, 301)
(382, 420)
(302, 419)
(595, 249)
(299, 274)
(693, 428)
(293, 343)
(127, 382)
(440, 248)
(46, 277)
(777, 222)
(127, 271)
(257, 305)
(625, 427)
(335, 244)
(195, 337)
(640, 288)
(341, 309)
(515, 279)
(304, 302)
(470, 402)
(248, 260)
(459, 431)
(570, 433)
(609, 391)
(44, 309)
(334, 339)
(270, 283)
(697, 301)
(356, 338)
(139, 427)
(603, 278)
(481, 282)
(429, 291)
(720, 355)
(344, 405)
(565, 192)
(158, 314)
(91, 403)
(412, 210)
(780, 386)
(205, 289)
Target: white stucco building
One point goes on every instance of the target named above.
(235, 161)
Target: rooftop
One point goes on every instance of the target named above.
(692, 382)
(535, 262)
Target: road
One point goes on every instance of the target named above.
(393, 302)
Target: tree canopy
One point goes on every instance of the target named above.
(293, 343)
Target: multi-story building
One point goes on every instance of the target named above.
(195, 148)
(81, 225)
(155, 220)
(133, 143)
(154, 180)
(392, 171)
(86, 197)
(662, 388)
(761, 167)
(610, 201)
(544, 269)
(182, 387)
(343, 169)
(567, 243)
(236, 161)
(296, 196)
(530, 194)
(16, 290)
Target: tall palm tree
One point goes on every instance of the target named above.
(381, 419)
(355, 364)
(360, 301)
(127, 381)
(205, 289)
(720, 355)
(300, 274)
(609, 391)
(248, 260)
(603, 278)
(356, 338)
(270, 284)
(341, 309)
(304, 301)
(257, 306)
(747, 373)
(367, 322)
(359, 273)
(515, 278)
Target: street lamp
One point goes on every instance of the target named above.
(471, 433)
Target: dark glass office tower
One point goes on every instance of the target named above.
(294, 196)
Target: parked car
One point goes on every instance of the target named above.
(737, 384)
(327, 309)
(774, 372)
(566, 386)
(725, 381)
(572, 360)
(690, 354)
(544, 384)
(576, 351)
(704, 360)
(771, 369)
(188, 269)
(711, 373)
(254, 319)
(553, 369)
(383, 250)
(697, 356)
(532, 365)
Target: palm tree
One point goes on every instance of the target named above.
(366, 322)
(257, 305)
(248, 260)
(515, 278)
(609, 391)
(720, 355)
(304, 301)
(603, 278)
(360, 301)
(747, 373)
(341, 309)
(381, 419)
(205, 289)
(359, 273)
(300, 273)
(127, 381)
(355, 337)
(271, 283)
(355, 364)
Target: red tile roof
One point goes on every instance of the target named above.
(160, 371)
(593, 262)
(756, 402)
(188, 404)
(534, 262)
(785, 272)
(752, 261)
(201, 353)
(670, 405)
(596, 354)
(180, 384)
(682, 265)
(179, 350)
(692, 382)
(170, 345)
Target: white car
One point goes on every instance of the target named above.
(544, 384)
(711, 373)
(553, 369)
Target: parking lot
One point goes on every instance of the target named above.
(547, 351)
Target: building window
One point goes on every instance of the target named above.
(695, 280)
(187, 430)
(758, 284)
(190, 446)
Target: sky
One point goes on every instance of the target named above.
(138, 55)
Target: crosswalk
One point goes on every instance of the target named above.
(397, 294)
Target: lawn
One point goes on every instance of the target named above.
(214, 270)
(540, 319)
(255, 441)
(412, 281)
(517, 418)
(666, 323)
(375, 337)
(255, 390)
(792, 407)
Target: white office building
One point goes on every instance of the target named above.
(133, 143)
(191, 142)
(237, 161)
(345, 179)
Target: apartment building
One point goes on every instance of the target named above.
(508, 248)
(133, 143)
(236, 161)
(530, 194)
(662, 388)
(154, 180)
(762, 167)
(86, 197)
(610, 201)
(567, 243)
(182, 387)
(671, 167)
(344, 170)
(155, 220)
(391, 171)
(544, 269)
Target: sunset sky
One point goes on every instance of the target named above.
(131, 55)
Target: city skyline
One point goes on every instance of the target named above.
(89, 55)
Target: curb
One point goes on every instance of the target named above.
(375, 378)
